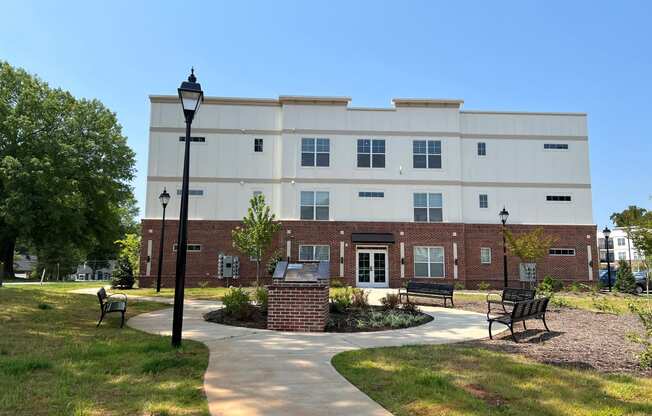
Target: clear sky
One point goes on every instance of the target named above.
(585, 56)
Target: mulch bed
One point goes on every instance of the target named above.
(579, 339)
(255, 320)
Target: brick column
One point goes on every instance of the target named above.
(297, 306)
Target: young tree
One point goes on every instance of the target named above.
(530, 247)
(625, 281)
(642, 238)
(130, 250)
(628, 220)
(255, 236)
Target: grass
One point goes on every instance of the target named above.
(53, 361)
(453, 380)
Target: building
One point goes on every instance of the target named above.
(94, 270)
(620, 248)
(385, 194)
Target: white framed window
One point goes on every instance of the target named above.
(426, 154)
(622, 255)
(315, 205)
(485, 255)
(428, 261)
(482, 149)
(258, 145)
(484, 201)
(315, 152)
(314, 252)
(621, 242)
(371, 153)
(192, 192)
(558, 198)
(555, 146)
(190, 248)
(561, 251)
(371, 194)
(428, 207)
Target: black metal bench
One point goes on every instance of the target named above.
(522, 311)
(427, 290)
(509, 297)
(107, 305)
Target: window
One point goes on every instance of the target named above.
(373, 194)
(622, 255)
(621, 241)
(315, 152)
(314, 253)
(484, 201)
(258, 145)
(485, 255)
(192, 192)
(193, 139)
(371, 153)
(482, 149)
(555, 146)
(428, 262)
(314, 205)
(603, 256)
(601, 243)
(561, 251)
(428, 207)
(189, 247)
(426, 154)
(558, 198)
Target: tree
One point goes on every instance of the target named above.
(65, 172)
(628, 220)
(130, 250)
(625, 281)
(529, 247)
(254, 238)
(642, 238)
(123, 276)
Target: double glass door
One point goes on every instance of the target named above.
(372, 268)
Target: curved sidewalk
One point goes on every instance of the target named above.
(259, 372)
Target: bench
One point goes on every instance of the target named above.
(522, 311)
(108, 305)
(427, 290)
(509, 297)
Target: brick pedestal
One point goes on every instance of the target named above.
(301, 307)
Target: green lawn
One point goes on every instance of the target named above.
(53, 361)
(453, 380)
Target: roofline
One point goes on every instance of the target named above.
(427, 102)
(173, 99)
(531, 113)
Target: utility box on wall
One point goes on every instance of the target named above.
(228, 266)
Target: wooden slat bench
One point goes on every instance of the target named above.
(427, 290)
(509, 297)
(522, 311)
(107, 305)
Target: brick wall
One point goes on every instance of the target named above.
(215, 237)
(297, 307)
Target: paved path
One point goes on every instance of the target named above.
(259, 372)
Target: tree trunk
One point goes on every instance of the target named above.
(7, 246)
(257, 271)
(629, 249)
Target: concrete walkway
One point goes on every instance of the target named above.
(259, 372)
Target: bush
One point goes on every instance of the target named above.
(625, 281)
(337, 283)
(602, 304)
(390, 301)
(273, 261)
(359, 298)
(261, 297)
(236, 303)
(410, 307)
(576, 287)
(483, 286)
(123, 276)
(459, 286)
(393, 319)
(645, 315)
(342, 300)
(553, 284)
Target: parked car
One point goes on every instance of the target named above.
(640, 278)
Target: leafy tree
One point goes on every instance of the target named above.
(642, 237)
(130, 249)
(123, 275)
(254, 238)
(65, 173)
(530, 247)
(628, 219)
(625, 281)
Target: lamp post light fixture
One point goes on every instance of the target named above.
(191, 97)
(503, 218)
(165, 199)
(607, 232)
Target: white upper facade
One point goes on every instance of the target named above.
(422, 155)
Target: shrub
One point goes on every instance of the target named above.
(393, 319)
(236, 303)
(273, 261)
(483, 286)
(337, 283)
(645, 315)
(559, 302)
(359, 298)
(553, 283)
(625, 281)
(410, 307)
(261, 297)
(342, 300)
(123, 276)
(576, 287)
(459, 286)
(602, 304)
(390, 301)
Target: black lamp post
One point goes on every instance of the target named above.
(191, 96)
(607, 232)
(164, 198)
(503, 218)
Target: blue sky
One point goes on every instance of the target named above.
(591, 56)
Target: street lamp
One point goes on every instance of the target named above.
(503, 218)
(164, 198)
(191, 97)
(607, 232)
